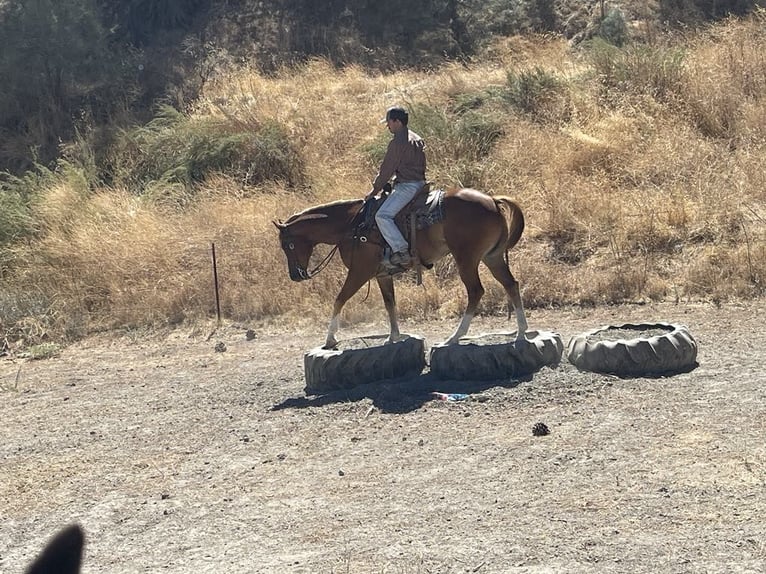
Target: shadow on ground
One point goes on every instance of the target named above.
(398, 396)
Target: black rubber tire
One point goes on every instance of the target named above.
(496, 356)
(362, 361)
(673, 352)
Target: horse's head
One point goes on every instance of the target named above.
(297, 247)
(327, 224)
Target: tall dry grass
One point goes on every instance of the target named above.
(644, 182)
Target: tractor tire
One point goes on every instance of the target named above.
(362, 361)
(496, 356)
(657, 349)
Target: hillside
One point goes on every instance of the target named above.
(639, 169)
(71, 67)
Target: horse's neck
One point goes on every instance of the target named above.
(337, 224)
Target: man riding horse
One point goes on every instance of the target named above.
(473, 227)
(406, 159)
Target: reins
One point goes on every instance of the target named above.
(324, 262)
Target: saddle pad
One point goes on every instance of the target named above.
(433, 212)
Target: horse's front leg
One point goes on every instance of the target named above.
(386, 284)
(351, 285)
(331, 342)
(469, 273)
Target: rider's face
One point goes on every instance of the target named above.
(394, 125)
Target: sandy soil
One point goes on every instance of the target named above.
(177, 458)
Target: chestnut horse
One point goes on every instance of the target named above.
(476, 227)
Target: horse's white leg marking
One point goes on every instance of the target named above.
(461, 330)
(394, 336)
(393, 321)
(386, 285)
(521, 322)
(331, 330)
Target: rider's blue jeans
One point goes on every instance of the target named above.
(401, 195)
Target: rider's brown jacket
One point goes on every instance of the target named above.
(405, 158)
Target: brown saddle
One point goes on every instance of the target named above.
(425, 207)
(424, 210)
(416, 204)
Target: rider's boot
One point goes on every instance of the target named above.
(401, 259)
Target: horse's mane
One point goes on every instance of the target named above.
(320, 210)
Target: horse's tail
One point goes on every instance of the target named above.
(514, 219)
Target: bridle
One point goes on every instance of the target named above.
(306, 273)
(326, 261)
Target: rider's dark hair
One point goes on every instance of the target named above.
(397, 114)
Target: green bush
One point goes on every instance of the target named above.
(542, 13)
(456, 141)
(14, 216)
(613, 28)
(175, 149)
(463, 134)
(637, 69)
(43, 351)
(17, 194)
(537, 93)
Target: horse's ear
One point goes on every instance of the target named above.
(278, 224)
(62, 555)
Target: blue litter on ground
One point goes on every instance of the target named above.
(450, 396)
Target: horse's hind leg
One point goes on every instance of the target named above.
(502, 273)
(386, 284)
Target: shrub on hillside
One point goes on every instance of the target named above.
(17, 195)
(538, 93)
(456, 140)
(637, 69)
(177, 149)
(724, 82)
(14, 216)
(143, 19)
(677, 12)
(57, 65)
(613, 28)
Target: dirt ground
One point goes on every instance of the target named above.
(178, 458)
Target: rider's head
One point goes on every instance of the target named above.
(396, 114)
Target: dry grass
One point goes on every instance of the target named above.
(642, 194)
